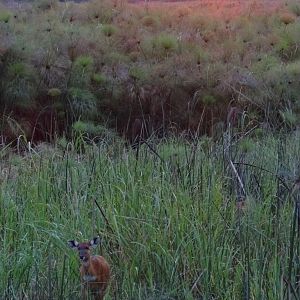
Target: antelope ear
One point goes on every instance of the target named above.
(73, 244)
(95, 241)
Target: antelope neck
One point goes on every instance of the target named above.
(86, 265)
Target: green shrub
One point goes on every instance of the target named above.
(82, 71)
(99, 78)
(17, 70)
(265, 63)
(281, 90)
(289, 117)
(88, 128)
(84, 62)
(289, 42)
(108, 30)
(138, 73)
(54, 92)
(82, 103)
(19, 85)
(209, 100)
(85, 127)
(164, 44)
(284, 44)
(5, 16)
(293, 70)
(88, 131)
(246, 145)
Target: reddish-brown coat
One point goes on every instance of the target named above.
(96, 267)
(94, 270)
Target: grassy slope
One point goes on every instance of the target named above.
(173, 229)
(159, 62)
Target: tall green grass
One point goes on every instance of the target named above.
(168, 219)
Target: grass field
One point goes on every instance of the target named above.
(207, 206)
(169, 219)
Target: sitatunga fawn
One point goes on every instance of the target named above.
(94, 270)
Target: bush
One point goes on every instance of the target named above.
(84, 62)
(289, 42)
(86, 128)
(265, 63)
(246, 145)
(289, 118)
(5, 16)
(164, 44)
(54, 92)
(138, 74)
(82, 103)
(89, 128)
(209, 100)
(19, 86)
(82, 71)
(99, 78)
(108, 30)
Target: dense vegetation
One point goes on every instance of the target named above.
(69, 67)
(176, 223)
(208, 207)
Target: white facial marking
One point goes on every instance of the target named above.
(89, 278)
(85, 263)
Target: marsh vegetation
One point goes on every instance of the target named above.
(206, 203)
(175, 223)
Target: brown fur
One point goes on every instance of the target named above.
(94, 270)
(98, 267)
